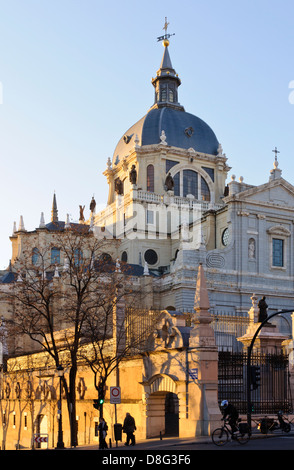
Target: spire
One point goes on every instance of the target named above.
(167, 81)
(21, 227)
(42, 221)
(201, 302)
(54, 212)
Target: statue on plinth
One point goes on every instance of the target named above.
(262, 305)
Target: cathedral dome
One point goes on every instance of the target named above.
(182, 130)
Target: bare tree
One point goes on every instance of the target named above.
(130, 329)
(54, 305)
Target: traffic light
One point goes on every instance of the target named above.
(101, 394)
(96, 404)
(255, 376)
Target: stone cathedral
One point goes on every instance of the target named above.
(171, 207)
(175, 219)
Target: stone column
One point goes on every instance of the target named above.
(203, 408)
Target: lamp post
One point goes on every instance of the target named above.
(60, 443)
(250, 348)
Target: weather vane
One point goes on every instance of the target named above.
(166, 36)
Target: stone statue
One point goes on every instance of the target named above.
(133, 175)
(262, 305)
(169, 183)
(82, 218)
(118, 186)
(92, 205)
(251, 248)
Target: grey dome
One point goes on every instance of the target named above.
(182, 130)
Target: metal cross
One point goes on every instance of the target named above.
(276, 153)
(165, 25)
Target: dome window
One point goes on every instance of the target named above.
(189, 131)
(150, 178)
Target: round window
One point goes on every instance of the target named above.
(225, 237)
(151, 257)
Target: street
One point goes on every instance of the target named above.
(265, 444)
(257, 442)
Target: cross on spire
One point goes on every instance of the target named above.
(165, 25)
(276, 153)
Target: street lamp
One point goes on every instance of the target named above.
(250, 348)
(60, 443)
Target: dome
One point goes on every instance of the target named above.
(182, 130)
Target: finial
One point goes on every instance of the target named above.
(276, 163)
(14, 230)
(42, 221)
(21, 227)
(275, 173)
(67, 222)
(166, 36)
(54, 212)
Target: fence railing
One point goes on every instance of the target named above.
(273, 392)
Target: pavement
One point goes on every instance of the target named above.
(161, 444)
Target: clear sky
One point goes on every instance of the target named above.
(76, 74)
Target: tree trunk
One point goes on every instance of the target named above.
(72, 406)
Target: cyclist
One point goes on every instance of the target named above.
(230, 412)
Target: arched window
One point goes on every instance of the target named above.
(105, 258)
(171, 95)
(177, 184)
(190, 183)
(78, 257)
(55, 255)
(205, 193)
(35, 256)
(124, 256)
(150, 178)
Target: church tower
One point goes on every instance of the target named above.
(166, 172)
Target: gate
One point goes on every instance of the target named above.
(273, 392)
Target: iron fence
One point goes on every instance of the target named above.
(273, 392)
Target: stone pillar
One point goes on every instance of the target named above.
(269, 339)
(203, 408)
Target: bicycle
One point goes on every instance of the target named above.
(269, 424)
(220, 436)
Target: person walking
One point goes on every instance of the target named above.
(129, 428)
(102, 433)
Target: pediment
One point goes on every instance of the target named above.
(277, 192)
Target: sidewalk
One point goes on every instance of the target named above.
(158, 444)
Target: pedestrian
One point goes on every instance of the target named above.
(129, 428)
(102, 433)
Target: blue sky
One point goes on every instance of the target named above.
(76, 74)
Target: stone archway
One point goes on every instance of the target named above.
(162, 406)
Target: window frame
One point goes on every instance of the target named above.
(56, 258)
